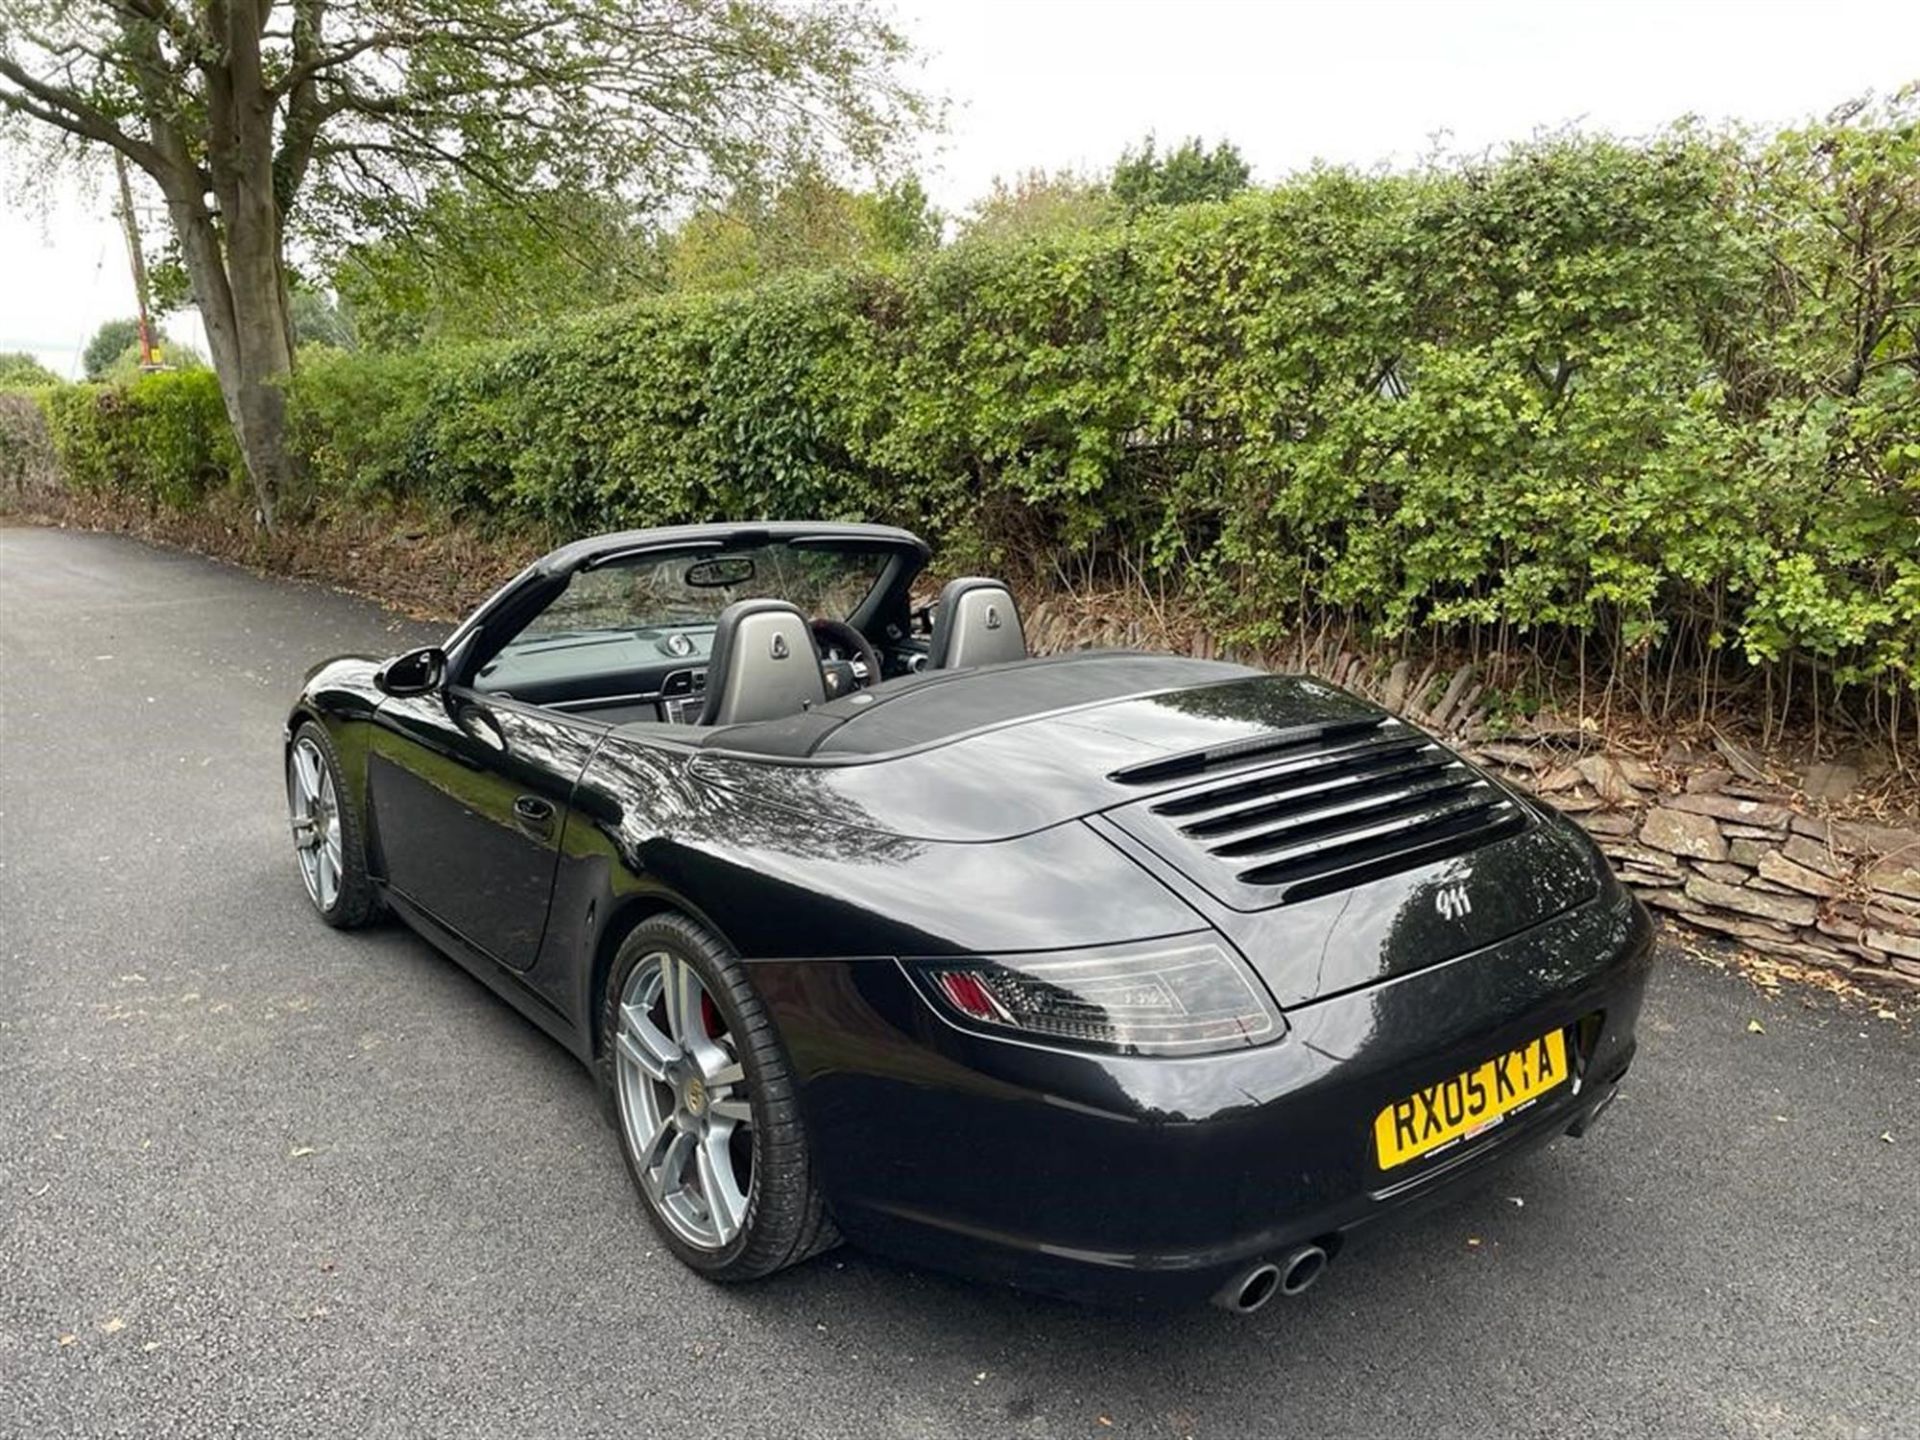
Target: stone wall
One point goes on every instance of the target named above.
(1734, 854)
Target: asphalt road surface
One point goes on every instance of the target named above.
(257, 1177)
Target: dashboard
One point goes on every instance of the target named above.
(658, 672)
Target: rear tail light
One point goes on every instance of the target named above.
(1184, 996)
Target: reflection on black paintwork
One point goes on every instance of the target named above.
(798, 811)
(1012, 780)
(466, 783)
(1265, 703)
(815, 871)
(1396, 924)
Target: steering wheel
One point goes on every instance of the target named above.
(847, 661)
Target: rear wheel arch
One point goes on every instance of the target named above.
(625, 915)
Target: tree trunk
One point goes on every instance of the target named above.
(258, 389)
(242, 165)
(240, 306)
(255, 402)
(232, 249)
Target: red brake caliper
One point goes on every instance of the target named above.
(709, 1016)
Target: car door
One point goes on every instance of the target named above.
(469, 795)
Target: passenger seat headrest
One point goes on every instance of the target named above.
(977, 623)
(764, 665)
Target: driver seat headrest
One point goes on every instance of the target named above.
(976, 623)
(764, 665)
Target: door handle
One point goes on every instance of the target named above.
(533, 815)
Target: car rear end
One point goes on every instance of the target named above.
(1131, 1178)
(1433, 973)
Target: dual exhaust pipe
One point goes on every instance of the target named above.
(1294, 1274)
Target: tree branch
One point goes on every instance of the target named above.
(161, 14)
(67, 111)
(304, 114)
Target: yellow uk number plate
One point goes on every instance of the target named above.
(1452, 1112)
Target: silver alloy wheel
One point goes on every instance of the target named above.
(683, 1102)
(315, 811)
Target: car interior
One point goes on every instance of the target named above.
(701, 639)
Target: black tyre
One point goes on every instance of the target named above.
(327, 837)
(703, 1101)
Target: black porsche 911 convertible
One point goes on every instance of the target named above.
(1108, 974)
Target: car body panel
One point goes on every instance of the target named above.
(1389, 927)
(822, 880)
(480, 789)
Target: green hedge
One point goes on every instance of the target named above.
(162, 438)
(29, 468)
(1664, 396)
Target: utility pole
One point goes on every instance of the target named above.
(149, 357)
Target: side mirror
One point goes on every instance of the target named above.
(418, 672)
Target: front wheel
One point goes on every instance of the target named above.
(705, 1107)
(326, 832)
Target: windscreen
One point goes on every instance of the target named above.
(655, 607)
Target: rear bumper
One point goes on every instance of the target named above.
(1129, 1180)
(945, 1241)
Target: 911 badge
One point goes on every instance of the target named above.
(1453, 902)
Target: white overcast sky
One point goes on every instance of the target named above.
(1070, 83)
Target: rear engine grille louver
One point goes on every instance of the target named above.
(1310, 813)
